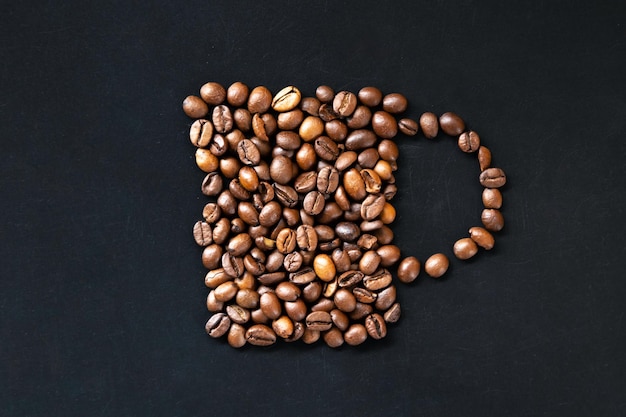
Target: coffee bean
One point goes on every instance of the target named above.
(324, 267)
(326, 148)
(212, 184)
(408, 269)
(465, 248)
(217, 325)
(367, 241)
(364, 296)
(290, 120)
(375, 325)
(344, 103)
(492, 220)
(327, 180)
(372, 181)
(248, 213)
(286, 241)
(237, 94)
(368, 158)
(429, 125)
(286, 99)
(484, 158)
(372, 206)
(306, 237)
(259, 100)
(310, 105)
(389, 254)
(285, 195)
(281, 169)
(360, 118)
(345, 300)
(233, 265)
(242, 120)
(202, 233)
(318, 320)
(260, 335)
(386, 298)
(436, 265)
(226, 291)
(393, 314)
(360, 139)
(408, 127)
(348, 232)
(394, 103)
(239, 244)
(222, 119)
(236, 335)
(237, 314)
(194, 107)
(378, 280)
(451, 124)
(247, 298)
(492, 198)
(287, 291)
(206, 161)
(354, 185)
(355, 334)
(216, 277)
(336, 130)
(270, 305)
(296, 310)
(384, 235)
(211, 212)
(361, 311)
(310, 128)
(313, 203)
(469, 141)
(482, 237)
(369, 262)
(201, 133)
(218, 146)
(213, 93)
(212, 256)
(492, 178)
(324, 93)
(370, 96)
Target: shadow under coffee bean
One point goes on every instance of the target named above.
(295, 231)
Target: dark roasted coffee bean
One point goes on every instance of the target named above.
(482, 237)
(212, 256)
(286, 99)
(222, 119)
(270, 305)
(492, 178)
(287, 291)
(369, 262)
(285, 195)
(313, 203)
(360, 139)
(233, 265)
(237, 94)
(408, 126)
(270, 214)
(384, 235)
(436, 265)
(492, 198)
(484, 158)
(360, 118)
(363, 295)
(237, 314)
(361, 311)
(469, 141)
(327, 114)
(217, 325)
(336, 130)
(290, 120)
(324, 93)
(281, 169)
(213, 93)
(345, 300)
(375, 325)
(331, 213)
(212, 184)
(390, 254)
(242, 120)
(330, 246)
(372, 206)
(202, 233)
(293, 261)
(451, 124)
(348, 232)
(319, 320)
(386, 298)
(259, 100)
(201, 133)
(306, 237)
(384, 124)
(393, 314)
(368, 158)
(260, 335)
(395, 103)
(429, 123)
(326, 148)
(370, 96)
(355, 334)
(195, 107)
(409, 269)
(310, 105)
(305, 182)
(350, 278)
(465, 248)
(378, 280)
(492, 220)
(327, 180)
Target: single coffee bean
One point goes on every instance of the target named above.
(341, 198)
(364, 296)
(195, 107)
(212, 304)
(436, 265)
(281, 169)
(360, 118)
(270, 305)
(260, 335)
(212, 256)
(469, 141)
(370, 96)
(286, 241)
(336, 130)
(246, 281)
(360, 139)
(218, 145)
(216, 277)
(213, 93)
(331, 213)
(341, 259)
(248, 213)
(354, 185)
(306, 158)
(366, 241)
(319, 320)
(324, 93)
(465, 248)
(233, 138)
(429, 125)
(283, 327)
(258, 127)
(226, 291)
(492, 198)
(247, 298)
(369, 262)
(290, 120)
(492, 178)
(293, 261)
(202, 233)
(296, 310)
(376, 327)
(390, 191)
(326, 148)
(409, 269)
(395, 103)
(310, 105)
(378, 280)
(372, 181)
(206, 161)
(270, 214)
(227, 202)
(306, 237)
(239, 244)
(248, 152)
(451, 124)
(372, 206)
(212, 184)
(324, 267)
(384, 236)
(393, 314)
(237, 190)
(285, 195)
(408, 127)
(229, 167)
(211, 212)
(237, 94)
(311, 336)
(259, 100)
(484, 158)
(482, 237)
(350, 278)
(323, 304)
(236, 335)
(253, 265)
(492, 220)
(274, 261)
(388, 150)
(310, 128)
(345, 160)
(302, 276)
(217, 325)
(313, 203)
(242, 120)
(222, 119)
(327, 180)
(386, 298)
(389, 254)
(340, 319)
(286, 99)
(287, 291)
(355, 334)
(201, 133)
(361, 311)
(346, 231)
(368, 158)
(237, 314)
(330, 288)
(345, 300)
(233, 265)
(344, 103)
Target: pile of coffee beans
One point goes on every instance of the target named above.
(296, 231)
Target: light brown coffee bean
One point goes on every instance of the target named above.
(217, 325)
(326, 148)
(237, 94)
(213, 93)
(201, 133)
(429, 123)
(296, 310)
(492, 220)
(409, 269)
(286, 241)
(222, 119)
(202, 233)
(482, 237)
(492, 198)
(344, 103)
(384, 124)
(327, 180)
(233, 265)
(451, 124)
(372, 206)
(360, 118)
(436, 265)
(212, 256)
(283, 327)
(354, 185)
(363, 295)
(260, 335)
(216, 277)
(270, 305)
(484, 158)
(355, 334)
(226, 291)
(333, 338)
(389, 254)
(285, 195)
(212, 184)
(378, 280)
(324, 267)
(393, 314)
(239, 244)
(465, 248)
(318, 320)
(360, 139)
(492, 178)
(206, 161)
(376, 327)
(236, 335)
(237, 314)
(345, 300)
(195, 107)
(310, 128)
(386, 298)
(469, 141)
(313, 203)
(247, 298)
(369, 262)
(324, 93)
(286, 99)
(259, 100)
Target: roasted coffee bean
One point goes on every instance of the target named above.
(345, 160)
(336, 130)
(270, 305)
(390, 191)
(436, 265)
(212, 184)
(233, 138)
(306, 237)
(213, 93)
(258, 127)
(360, 118)
(368, 158)
(312, 291)
(492, 198)
(237, 226)
(237, 94)
(237, 190)
(492, 220)
(429, 125)
(239, 244)
(363, 295)
(306, 158)
(293, 261)
(260, 335)
(367, 241)
(469, 141)
(288, 140)
(388, 214)
(302, 276)
(333, 338)
(253, 265)
(248, 213)
(384, 235)
(242, 120)
(378, 280)
(465, 248)
(344, 103)
(311, 336)
(386, 298)
(287, 291)
(211, 212)
(451, 124)
(484, 158)
(313, 203)
(369, 262)
(326, 148)
(248, 178)
(370, 96)
(341, 259)
(212, 304)
(323, 304)
(310, 128)
(283, 327)
(201, 133)
(274, 261)
(395, 103)
(319, 320)
(195, 107)
(246, 281)
(360, 139)
(290, 120)
(270, 214)
(330, 246)
(324, 93)
(206, 161)
(354, 185)
(259, 100)
(408, 126)
(286, 241)
(212, 256)
(327, 180)
(482, 237)
(388, 150)
(281, 169)
(237, 314)
(324, 267)
(384, 170)
(226, 203)
(326, 113)
(341, 198)
(375, 325)
(370, 226)
(236, 335)
(305, 182)
(389, 254)
(345, 300)
(259, 317)
(286, 99)
(340, 319)
(409, 269)
(247, 298)
(347, 231)
(353, 251)
(330, 288)
(222, 119)
(215, 277)
(229, 167)
(285, 195)
(393, 314)
(492, 178)
(372, 181)
(217, 325)
(355, 334)
(218, 146)
(372, 206)
(233, 265)
(361, 311)
(202, 233)
(310, 105)
(296, 310)
(226, 291)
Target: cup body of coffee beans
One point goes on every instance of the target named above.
(296, 229)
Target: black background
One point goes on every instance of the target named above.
(102, 294)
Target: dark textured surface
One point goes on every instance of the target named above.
(102, 296)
